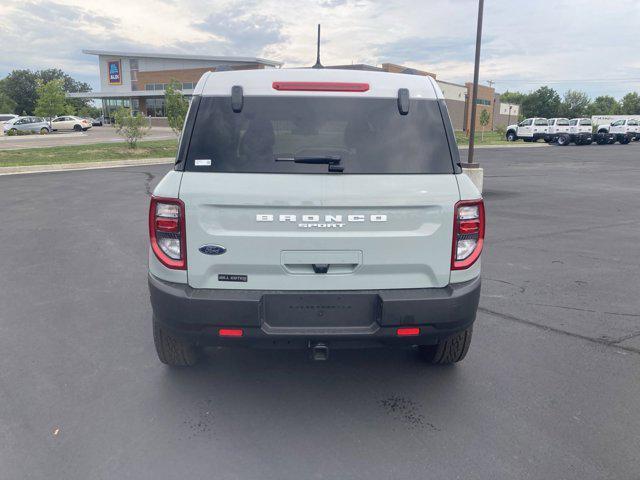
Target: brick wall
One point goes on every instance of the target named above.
(457, 111)
(484, 94)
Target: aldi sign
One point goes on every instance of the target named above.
(115, 72)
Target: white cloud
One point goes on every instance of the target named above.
(566, 43)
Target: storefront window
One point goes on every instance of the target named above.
(155, 107)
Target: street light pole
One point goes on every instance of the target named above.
(476, 74)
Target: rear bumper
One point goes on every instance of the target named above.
(372, 316)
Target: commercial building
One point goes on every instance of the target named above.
(138, 80)
(457, 98)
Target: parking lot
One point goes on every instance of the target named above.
(104, 134)
(549, 389)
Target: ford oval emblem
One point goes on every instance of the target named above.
(212, 249)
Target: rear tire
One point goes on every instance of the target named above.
(449, 350)
(624, 140)
(173, 351)
(563, 140)
(44, 131)
(77, 128)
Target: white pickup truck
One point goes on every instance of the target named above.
(558, 131)
(581, 131)
(623, 130)
(529, 130)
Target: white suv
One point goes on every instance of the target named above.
(315, 209)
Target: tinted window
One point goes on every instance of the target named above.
(573, 122)
(562, 121)
(632, 122)
(618, 123)
(368, 134)
(585, 122)
(526, 123)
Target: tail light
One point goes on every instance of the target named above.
(468, 233)
(167, 233)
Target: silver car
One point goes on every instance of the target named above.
(26, 124)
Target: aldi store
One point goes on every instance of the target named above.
(138, 80)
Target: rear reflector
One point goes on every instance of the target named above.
(230, 332)
(320, 86)
(408, 332)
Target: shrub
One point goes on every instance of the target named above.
(501, 130)
(131, 127)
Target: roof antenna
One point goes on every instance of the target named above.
(318, 64)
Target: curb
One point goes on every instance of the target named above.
(533, 145)
(69, 167)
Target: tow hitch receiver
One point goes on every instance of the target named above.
(319, 351)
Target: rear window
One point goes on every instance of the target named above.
(585, 122)
(367, 135)
(562, 122)
(541, 122)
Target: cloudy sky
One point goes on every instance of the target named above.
(589, 45)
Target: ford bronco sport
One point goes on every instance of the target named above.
(315, 209)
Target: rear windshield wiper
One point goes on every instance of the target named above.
(333, 161)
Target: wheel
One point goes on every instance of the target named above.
(449, 350)
(563, 140)
(511, 136)
(173, 351)
(13, 131)
(77, 128)
(44, 131)
(624, 140)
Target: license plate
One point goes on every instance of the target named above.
(320, 310)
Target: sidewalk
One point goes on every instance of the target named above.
(61, 167)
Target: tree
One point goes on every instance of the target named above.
(512, 97)
(604, 105)
(7, 105)
(131, 127)
(575, 104)
(544, 102)
(484, 121)
(630, 104)
(176, 105)
(51, 99)
(20, 86)
(70, 85)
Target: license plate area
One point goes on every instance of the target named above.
(320, 310)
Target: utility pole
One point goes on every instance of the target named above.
(474, 94)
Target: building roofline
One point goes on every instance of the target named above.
(451, 83)
(178, 56)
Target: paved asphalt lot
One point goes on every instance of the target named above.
(104, 134)
(549, 390)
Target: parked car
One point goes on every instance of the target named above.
(70, 122)
(97, 122)
(4, 117)
(315, 209)
(26, 124)
(529, 130)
